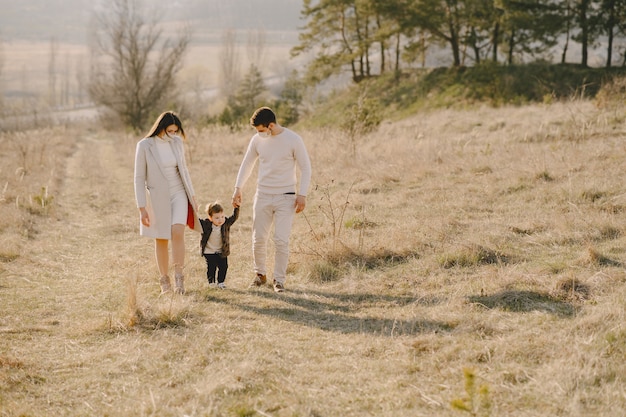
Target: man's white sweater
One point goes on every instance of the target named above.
(278, 156)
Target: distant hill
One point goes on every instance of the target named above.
(67, 20)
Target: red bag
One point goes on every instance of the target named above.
(190, 216)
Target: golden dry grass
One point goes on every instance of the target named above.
(459, 256)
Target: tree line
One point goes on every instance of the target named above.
(134, 66)
(371, 37)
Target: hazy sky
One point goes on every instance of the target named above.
(68, 20)
(28, 27)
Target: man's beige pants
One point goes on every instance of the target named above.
(268, 209)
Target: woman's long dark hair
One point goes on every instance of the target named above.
(163, 121)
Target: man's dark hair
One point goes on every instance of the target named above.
(263, 117)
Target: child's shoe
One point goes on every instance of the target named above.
(221, 286)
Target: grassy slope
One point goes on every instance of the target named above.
(465, 87)
(487, 239)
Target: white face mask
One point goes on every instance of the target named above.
(265, 134)
(171, 134)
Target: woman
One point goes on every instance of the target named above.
(165, 195)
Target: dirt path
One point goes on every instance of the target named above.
(64, 330)
(69, 257)
(63, 294)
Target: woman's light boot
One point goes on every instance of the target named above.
(165, 284)
(180, 284)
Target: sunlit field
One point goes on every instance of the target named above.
(457, 263)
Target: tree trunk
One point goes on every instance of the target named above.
(584, 27)
(454, 41)
(346, 44)
(610, 26)
(398, 53)
(567, 34)
(495, 41)
(368, 70)
(360, 43)
(511, 47)
(475, 47)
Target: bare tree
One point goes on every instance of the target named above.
(256, 47)
(81, 81)
(230, 71)
(1, 72)
(65, 86)
(134, 68)
(52, 72)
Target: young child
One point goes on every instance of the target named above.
(215, 242)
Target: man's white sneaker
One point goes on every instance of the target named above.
(278, 287)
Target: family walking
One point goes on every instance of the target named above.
(167, 203)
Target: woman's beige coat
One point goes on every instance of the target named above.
(152, 189)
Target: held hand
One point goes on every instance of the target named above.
(145, 218)
(300, 203)
(237, 198)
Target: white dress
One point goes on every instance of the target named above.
(178, 197)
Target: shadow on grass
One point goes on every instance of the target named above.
(338, 312)
(314, 300)
(524, 302)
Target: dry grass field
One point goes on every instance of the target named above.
(460, 263)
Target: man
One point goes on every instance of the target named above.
(278, 197)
